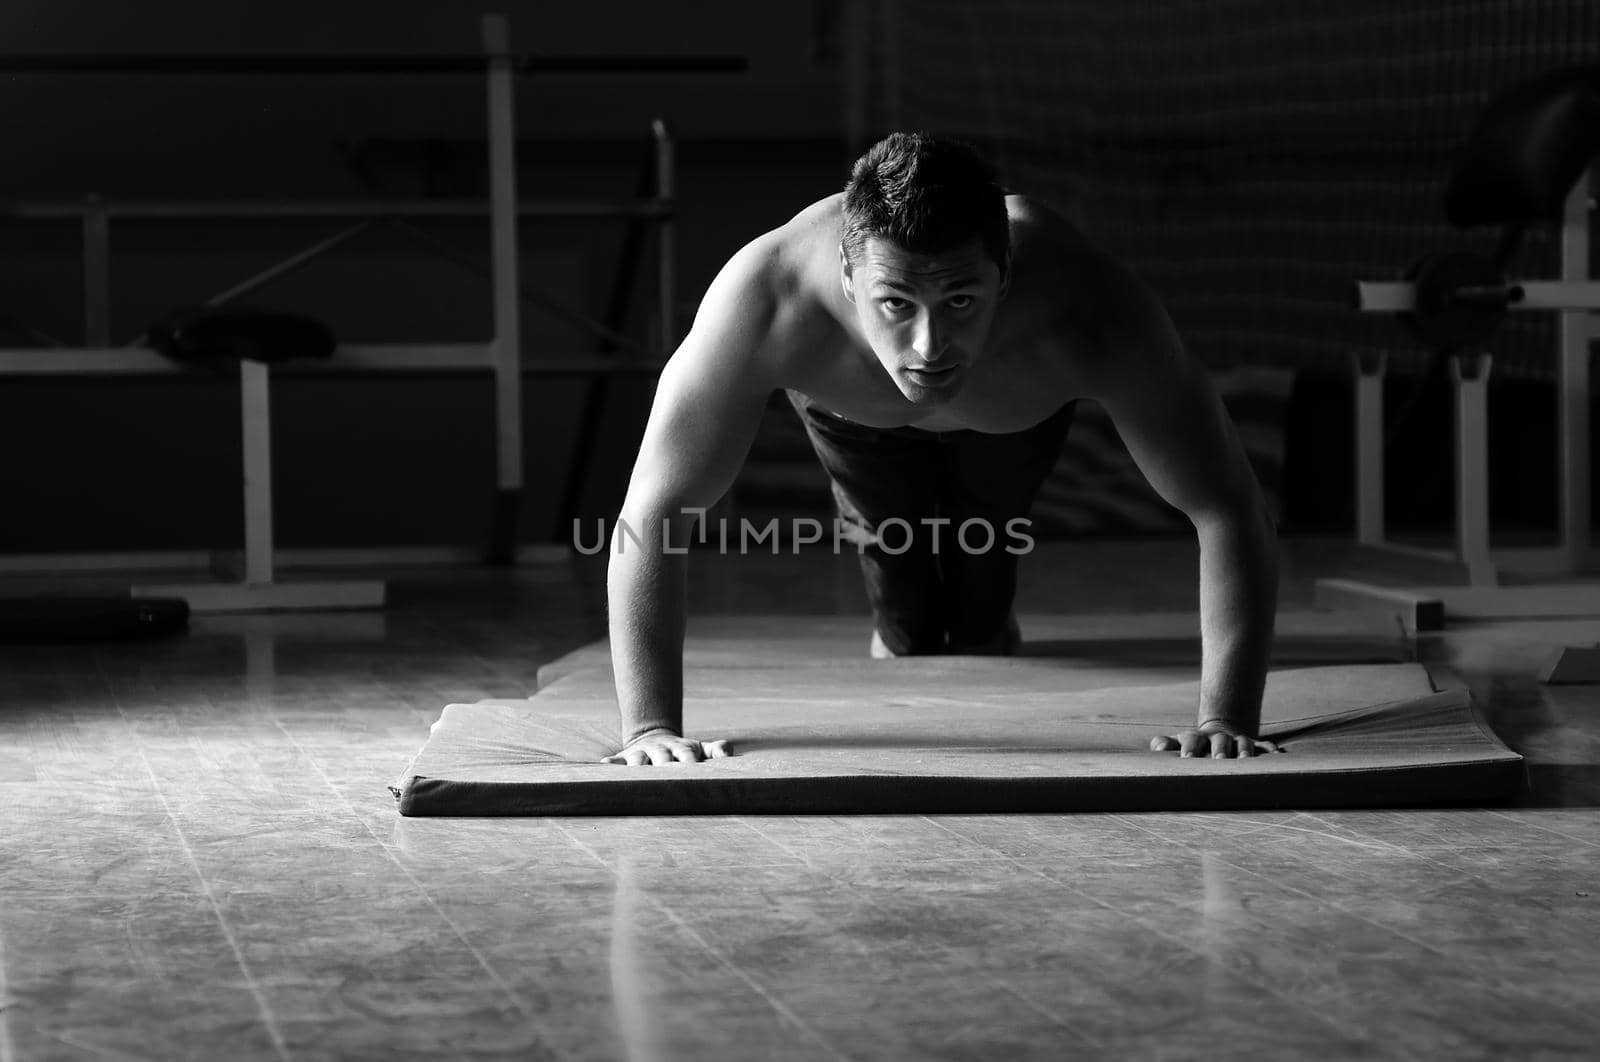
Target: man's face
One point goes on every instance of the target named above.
(926, 317)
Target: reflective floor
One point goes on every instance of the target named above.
(199, 859)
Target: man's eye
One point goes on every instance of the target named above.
(960, 302)
(893, 305)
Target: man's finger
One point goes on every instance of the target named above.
(634, 757)
(716, 750)
(688, 752)
(1188, 743)
(1263, 745)
(613, 759)
(1163, 743)
(660, 755)
(1246, 747)
(1221, 745)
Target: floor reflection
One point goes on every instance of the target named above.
(637, 974)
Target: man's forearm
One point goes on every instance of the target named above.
(1238, 605)
(646, 590)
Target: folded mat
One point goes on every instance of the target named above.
(960, 734)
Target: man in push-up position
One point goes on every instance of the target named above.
(933, 333)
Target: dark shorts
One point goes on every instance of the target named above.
(935, 588)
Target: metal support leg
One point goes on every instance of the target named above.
(1470, 374)
(256, 418)
(259, 591)
(666, 244)
(1369, 450)
(507, 340)
(1572, 388)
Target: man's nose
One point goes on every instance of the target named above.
(926, 339)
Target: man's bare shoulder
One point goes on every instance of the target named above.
(782, 261)
(767, 305)
(1046, 244)
(1071, 281)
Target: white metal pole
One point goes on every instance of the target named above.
(256, 421)
(666, 237)
(1470, 373)
(1572, 388)
(504, 264)
(1369, 449)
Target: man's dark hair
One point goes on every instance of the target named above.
(925, 194)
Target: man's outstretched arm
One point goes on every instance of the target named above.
(1178, 432)
(708, 404)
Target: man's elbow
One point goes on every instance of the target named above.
(658, 526)
(1246, 520)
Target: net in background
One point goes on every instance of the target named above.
(1250, 159)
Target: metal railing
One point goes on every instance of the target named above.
(501, 355)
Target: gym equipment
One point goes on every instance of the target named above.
(1526, 163)
(1461, 298)
(501, 356)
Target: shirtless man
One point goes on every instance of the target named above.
(934, 332)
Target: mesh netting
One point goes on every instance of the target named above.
(1250, 159)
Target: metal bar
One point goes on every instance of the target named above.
(1369, 450)
(1548, 560)
(1574, 329)
(144, 362)
(401, 357)
(352, 359)
(666, 236)
(96, 273)
(117, 361)
(66, 361)
(507, 342)
(591, 412)
(288, 265)
(256, 421)
(382, 359)
(531, 294)
(1470, 372)
(251, 209)
(1569, 294)
(624, 278)
(332, 63)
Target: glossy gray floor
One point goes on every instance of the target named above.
(199, 859)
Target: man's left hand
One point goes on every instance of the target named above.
(1215, 739)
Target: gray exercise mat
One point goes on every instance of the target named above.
(960, 734)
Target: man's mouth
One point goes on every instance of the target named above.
(942, 376)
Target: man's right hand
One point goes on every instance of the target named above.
(658, 747)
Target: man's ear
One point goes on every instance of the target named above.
(845, 275)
